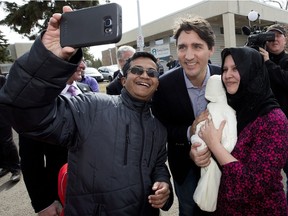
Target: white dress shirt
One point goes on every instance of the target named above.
(66, 93)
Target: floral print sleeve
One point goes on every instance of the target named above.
(253, 184)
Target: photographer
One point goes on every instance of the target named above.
(276, 61)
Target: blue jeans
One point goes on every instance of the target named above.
(184, 192)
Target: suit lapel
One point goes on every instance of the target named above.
(182, 93)
(83, 87)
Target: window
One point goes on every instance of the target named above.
(159, 42)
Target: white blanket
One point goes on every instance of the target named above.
(206, 192)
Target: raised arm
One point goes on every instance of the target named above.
(51, 38)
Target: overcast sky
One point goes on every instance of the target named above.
(149, 10)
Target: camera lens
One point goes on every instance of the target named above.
(108, 22)
(108, 30)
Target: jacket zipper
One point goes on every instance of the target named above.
(127, 141)
(151, 150)
(141, 158)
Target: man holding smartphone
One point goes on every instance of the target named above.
(117, 149)
(41, 161)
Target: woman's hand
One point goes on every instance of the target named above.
(210, 135)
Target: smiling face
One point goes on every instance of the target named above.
(230, 76)
(141, 87)
(193, 55)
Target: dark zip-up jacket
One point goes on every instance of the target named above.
(117, 149)
(278, 73)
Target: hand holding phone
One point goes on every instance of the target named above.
(91, 26)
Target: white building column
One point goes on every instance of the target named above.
(229, 30)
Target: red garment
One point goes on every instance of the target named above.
(62, 183)
(253, 185)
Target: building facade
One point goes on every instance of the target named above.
(15, 51)
(226, 18)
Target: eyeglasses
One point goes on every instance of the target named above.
(140, 70)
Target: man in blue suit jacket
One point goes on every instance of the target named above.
(180, 105)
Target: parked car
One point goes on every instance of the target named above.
(108, 71)
(93, 72)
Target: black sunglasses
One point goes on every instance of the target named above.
(140, 70)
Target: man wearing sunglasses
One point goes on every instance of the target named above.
(117, 149)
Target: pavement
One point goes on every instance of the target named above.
(14, 199)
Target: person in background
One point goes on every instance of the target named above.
(251, 182)
(9, 158)
(123, 53)
(90, 81)
(161, 68)
(41, 161)
(276, 61)
(73, 86)
(40, 164)
(171, 63)
(130, 178)
(180, 104)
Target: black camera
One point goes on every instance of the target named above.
(257, 38)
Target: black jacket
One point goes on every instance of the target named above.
(83, 87)
(5, 128)
(42, 193)
(6, 137)
(172, 106)
(2, 80)
(115, 87)
(278, 73)
(117, 149)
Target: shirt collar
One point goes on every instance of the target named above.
(190, 85)
(64, 91)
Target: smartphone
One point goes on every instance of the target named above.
(91, 26)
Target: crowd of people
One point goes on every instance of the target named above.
(117, 143)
